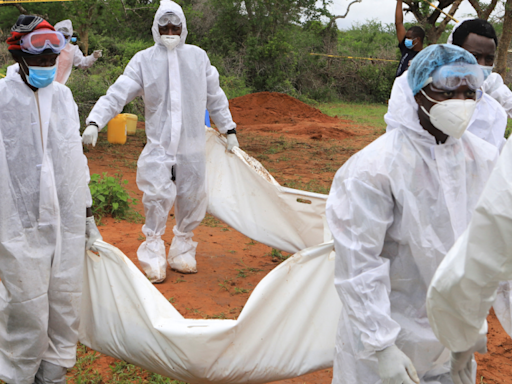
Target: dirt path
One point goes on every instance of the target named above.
(303, 149)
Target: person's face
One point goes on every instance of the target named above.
(48, 60)
(170, 29)
(483, 48)
(415, 40)
(463, 92)
(42, 60)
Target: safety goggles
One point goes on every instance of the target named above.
(452, 76)
(169, 18)
(36, 42)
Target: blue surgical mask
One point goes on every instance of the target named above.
(409, 43)
(487, 70)
(73, 39)
(40, 77)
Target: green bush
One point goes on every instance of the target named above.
(109, 197)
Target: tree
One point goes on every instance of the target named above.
(331, 31)
(505, 39)
(483, 11)
(428, 17)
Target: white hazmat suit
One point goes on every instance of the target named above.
(177, 87)
(467, 283)
(489, 120)
(70, 55)
(42, 228)
(395, 209)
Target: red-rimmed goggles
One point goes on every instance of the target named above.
(36, 42)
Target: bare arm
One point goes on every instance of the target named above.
(399, 22)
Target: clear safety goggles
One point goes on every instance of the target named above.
(452, 76)
(169, 18)
(36, 42)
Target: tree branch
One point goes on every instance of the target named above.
(22, 10)
(334, 18)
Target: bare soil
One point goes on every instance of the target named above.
(303, 149)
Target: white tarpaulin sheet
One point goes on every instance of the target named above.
(286, 329)
(244, 195)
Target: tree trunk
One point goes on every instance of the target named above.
(506, 38)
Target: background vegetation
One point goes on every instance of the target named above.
(257, 45)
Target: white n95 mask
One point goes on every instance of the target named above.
(170, 41)
(452, 116)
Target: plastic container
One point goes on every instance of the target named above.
(117, 130)
(131, 123)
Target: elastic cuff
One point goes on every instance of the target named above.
(231, 131)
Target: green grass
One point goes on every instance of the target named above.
(371, 115)
(508, 130)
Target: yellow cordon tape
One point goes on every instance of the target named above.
(440, 10)
(28, 1)
(2, 75)
(354, 58)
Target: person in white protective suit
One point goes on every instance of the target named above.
(478, 37)
(395, 209)
(45, 217)
(476, 274)
(178, 83)
(489, 121)
(71, 54)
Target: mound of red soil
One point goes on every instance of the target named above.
(274, 108)
(272, 113)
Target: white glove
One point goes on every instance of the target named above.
(395, 367)
(462, 362)
(91, 233)
(97, 54)
(90, 135)
(232, 142)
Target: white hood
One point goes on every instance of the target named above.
(403, 108)
(165, 7)
(65, 24)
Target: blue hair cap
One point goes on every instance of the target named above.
(431, 58)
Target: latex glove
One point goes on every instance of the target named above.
(395, 367)
(91, 233)
(232, 142)
(97, 54)
(90, 135)
(461, 362)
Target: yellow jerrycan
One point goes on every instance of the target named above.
(131, 123)
(117, 130)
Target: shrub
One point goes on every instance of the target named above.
(109, 197)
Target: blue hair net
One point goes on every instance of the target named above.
(431, 58)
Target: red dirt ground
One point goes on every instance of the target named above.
(303, 149)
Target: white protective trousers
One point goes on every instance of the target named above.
(395, 209)
(42, 228)
(69, 56)
(477, 272)
(177, 87)
(489, 120)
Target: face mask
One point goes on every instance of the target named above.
(409, 43)
(487, 70)
(40, 77)
(73, 39)
(170, 41)
(451, 117)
